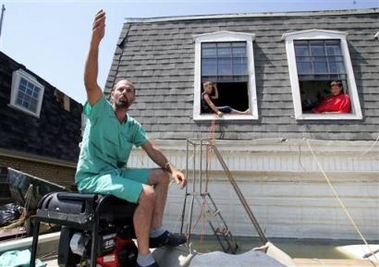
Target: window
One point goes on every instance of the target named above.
(377, 36)
(315, 58)
(226, 58)
(27, 93)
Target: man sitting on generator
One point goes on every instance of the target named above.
(108, 139)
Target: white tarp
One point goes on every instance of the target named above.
(248, 259)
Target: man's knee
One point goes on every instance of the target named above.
(159, 176)
(164, 177)
(147, 195)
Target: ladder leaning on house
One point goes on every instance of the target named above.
(204, 199)
(200, 194)
(216, 222)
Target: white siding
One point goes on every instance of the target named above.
(284, 186)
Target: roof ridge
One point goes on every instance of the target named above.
(260, 14)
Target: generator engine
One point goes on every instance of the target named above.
(116, 248)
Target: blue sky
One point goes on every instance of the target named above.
(51, 37)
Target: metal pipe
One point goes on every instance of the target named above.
(240, 195)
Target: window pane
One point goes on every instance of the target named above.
(25, 104)
(320, 67)
(304, 68)
(26, 101)
(224, 50)
(239, 50)
(23, 82)
(333, 50)
(29, 91)
(33, 106)
(340, 68)
(303, 59)
(36, 92)
(301, 50)
(208, 50)
(240, 66)
(333, 47)
(35, 95)
(317, 49)
(209, 66)
(225, 66)
(22, 88)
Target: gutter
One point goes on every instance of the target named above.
(256, 15)
(36, 158)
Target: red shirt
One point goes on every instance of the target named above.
(339, 103)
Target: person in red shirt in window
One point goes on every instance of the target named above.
(337, 102)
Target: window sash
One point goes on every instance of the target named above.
(319, 59)
(225, 61)
(336, 45)
(26, 93)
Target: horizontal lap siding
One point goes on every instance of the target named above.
(284, 185)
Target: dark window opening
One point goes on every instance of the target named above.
(312, 92)
(234, 95)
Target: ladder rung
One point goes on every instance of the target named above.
(216, 212)
(214, 217)
(224, 232)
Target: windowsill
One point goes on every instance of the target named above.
(23, 110)
(330, 116)
(225, 117)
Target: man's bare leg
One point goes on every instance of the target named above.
(160, 180)
(142, 219)
(160, 237)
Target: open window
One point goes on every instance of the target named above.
(27, 93)
(315, 58)
(226, 58)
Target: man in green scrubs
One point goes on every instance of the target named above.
(107, 141)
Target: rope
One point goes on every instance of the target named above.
(369, 149)
(341, 203)
(209, 152)
(212, 129)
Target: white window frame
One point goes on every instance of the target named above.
(315, 34)
(16, 79)
(377, 36)
(225, 36)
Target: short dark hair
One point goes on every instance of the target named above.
(335, 82)
(123, 79)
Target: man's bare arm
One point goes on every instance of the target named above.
(160, 159)
(94, 91)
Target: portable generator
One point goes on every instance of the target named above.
(116, 248)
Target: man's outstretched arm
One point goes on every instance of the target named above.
(94, 91)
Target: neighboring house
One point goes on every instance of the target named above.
(281, 155)
(40, 127)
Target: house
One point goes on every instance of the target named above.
(40, 127)
(304, 175)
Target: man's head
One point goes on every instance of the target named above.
(123, 94)
(335, 87)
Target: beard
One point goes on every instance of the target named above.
(124, 103)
